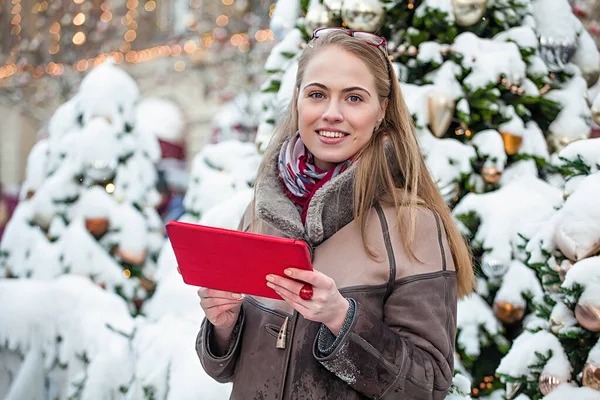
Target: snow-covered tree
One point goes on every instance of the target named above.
(87, 206)
(497, 89)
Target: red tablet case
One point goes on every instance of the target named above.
(231, 260)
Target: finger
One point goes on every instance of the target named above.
(315, 278)
(215, 305)
(223, 308)
(178, 270)
(282, 283)
(219, 294)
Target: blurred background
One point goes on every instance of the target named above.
(197, 54)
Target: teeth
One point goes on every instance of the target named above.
(331, 134)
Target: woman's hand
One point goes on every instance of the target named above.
(221, 308)
(327, 305)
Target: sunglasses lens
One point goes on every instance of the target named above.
(325, 31)
(369, 38)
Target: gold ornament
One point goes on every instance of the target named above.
(491, 175)
(512, 143)
(441, 111)
(548, 383)
(557, 143)
(96, 226)
(132, 257)
(596, 113)
(317, 16)
(468, 12)
(588, 316)
(363, 15)
(591, 376)
(508, 313)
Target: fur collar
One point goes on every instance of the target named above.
(330, 209)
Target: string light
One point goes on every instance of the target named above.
(16, 20)
(124, 52)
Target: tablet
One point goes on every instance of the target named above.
(231, 260)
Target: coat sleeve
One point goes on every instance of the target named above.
(409, 353)
(220, 368)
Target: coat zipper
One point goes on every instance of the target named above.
(287, 350)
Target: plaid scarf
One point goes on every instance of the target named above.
(300, 177)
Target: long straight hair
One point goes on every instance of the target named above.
(394, 142)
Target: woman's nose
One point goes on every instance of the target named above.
(333, 113)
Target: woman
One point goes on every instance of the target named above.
(377, 318)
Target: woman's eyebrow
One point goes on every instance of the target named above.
(350, 89)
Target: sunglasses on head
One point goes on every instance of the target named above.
(367, 37)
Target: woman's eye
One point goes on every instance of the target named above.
(316, 95)
(354, 99)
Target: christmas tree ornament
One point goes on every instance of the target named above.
(508, 313)
(101, 171)
(132, 257)
(363, 15)
(559, 142)
(316, 17)
(588, 316)
(591, 376)
(512, 143)
(557, 53)
(491, 175)
(441, 110)
(334, 7)
(493, 269)
(468, 12)
(96, 226)
(591, 77)
(548, 383)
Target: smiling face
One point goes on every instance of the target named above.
(338, 106)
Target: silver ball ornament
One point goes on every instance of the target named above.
(363, 15)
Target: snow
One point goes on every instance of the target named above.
(563, 318)
(572, 121)
(489, 145)
(587, 56)
(554, 19)
(430, 52)
(522, 354)
(578, 232)
(444, 6)
(489, 60)
(532, 202)
(523, 36)
(284, 17)
(585, 273)
(158, 118)
(519, 280)
(475, 319)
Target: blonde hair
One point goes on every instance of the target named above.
(393, 142)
